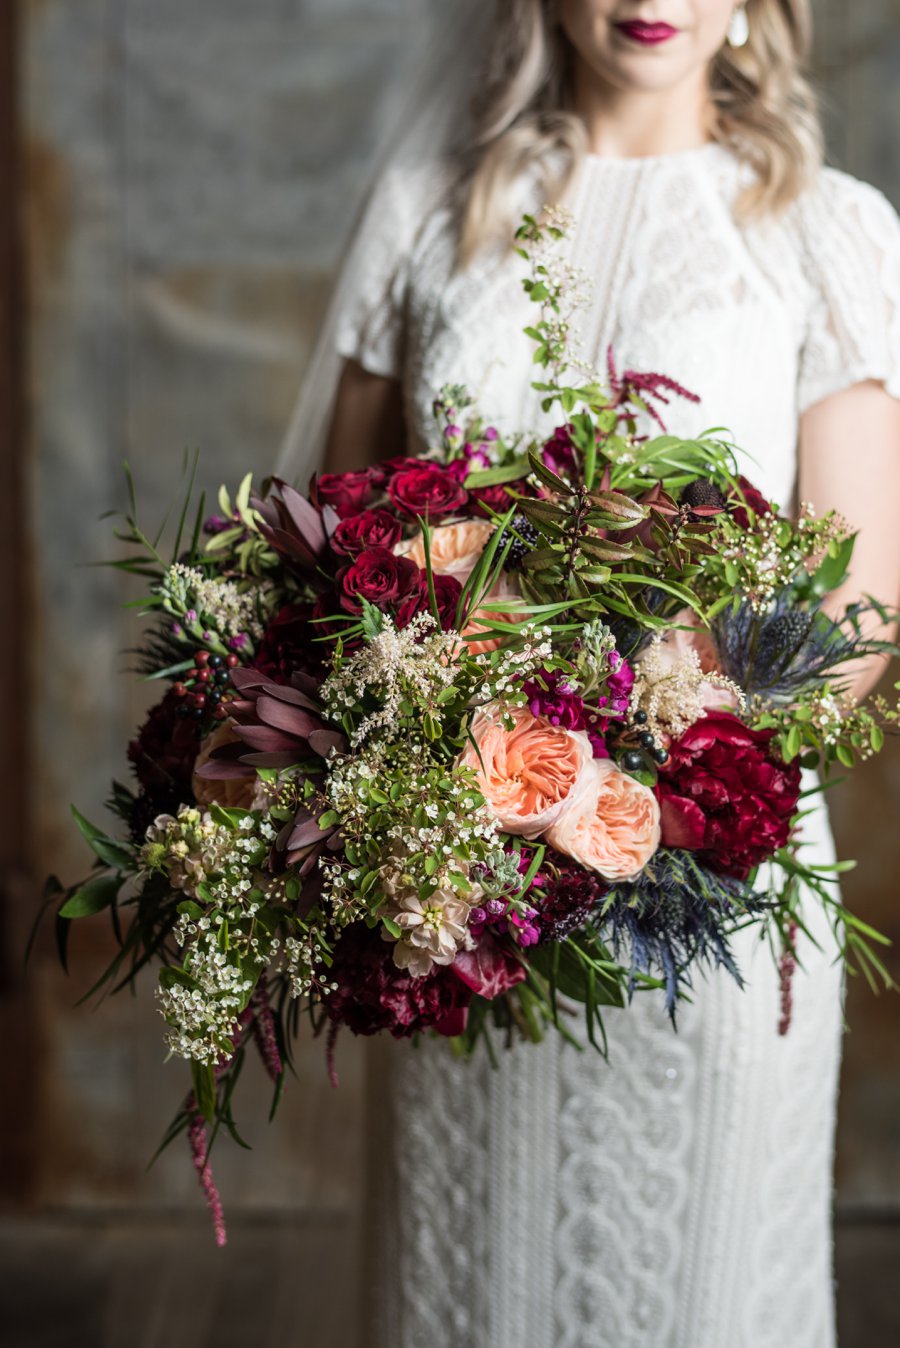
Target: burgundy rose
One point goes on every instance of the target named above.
(429, 491)
(752, 498)
(373, 994)
(377, 576)
(347, 493)
(490, 501)
(368, 529)
(289, 644)
(723, 795)
(447, 590)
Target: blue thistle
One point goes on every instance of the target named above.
(674, 915)
(777, 654)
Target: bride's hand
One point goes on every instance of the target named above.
(849, 461)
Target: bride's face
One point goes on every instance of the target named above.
(646, 44)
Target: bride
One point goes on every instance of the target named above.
(679, 1195)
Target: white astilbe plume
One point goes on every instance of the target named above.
(414, 664)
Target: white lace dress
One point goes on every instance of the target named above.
(679, 1195)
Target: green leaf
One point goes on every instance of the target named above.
(107, 849)
(391, 926)
(496, 477)
(97, 894)
(832, 571)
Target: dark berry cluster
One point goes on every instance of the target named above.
(205, 688)
(638, 743)
(522, 537)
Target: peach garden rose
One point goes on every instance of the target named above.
(455, 548)
(613, 827)
(529, 774)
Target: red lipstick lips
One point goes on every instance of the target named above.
(650, 34)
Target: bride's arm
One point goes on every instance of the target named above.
(850, 462)
(367, 423)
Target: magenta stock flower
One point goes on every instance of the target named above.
(550, 695)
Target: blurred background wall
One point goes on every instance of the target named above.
(187, 173)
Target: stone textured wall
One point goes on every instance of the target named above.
(192, 169)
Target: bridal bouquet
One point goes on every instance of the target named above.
(464, 741)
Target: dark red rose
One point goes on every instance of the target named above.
(379, 577)
(447, 590)
(388, 468)
(752, 498)
(373, 994)
(723, 795)
(490, 969)
(427, 490)
(289, 644)
(347, 493)
(368, 529)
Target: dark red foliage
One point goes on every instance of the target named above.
(165, 749)
(373, 994)
(290, 643)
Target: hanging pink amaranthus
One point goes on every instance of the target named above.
(787, 968)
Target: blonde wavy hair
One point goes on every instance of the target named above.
(764, 110)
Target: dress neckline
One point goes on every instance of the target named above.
(696, 154)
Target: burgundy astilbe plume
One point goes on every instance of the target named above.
(648, 387)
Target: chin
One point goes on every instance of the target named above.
(643, 73)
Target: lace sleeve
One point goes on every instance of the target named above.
(369, 326)
(852, 240)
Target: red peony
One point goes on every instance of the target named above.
(724, 796)
(347, 493)
(752, 498)
(373, 994)
(379, 577)
(447, 590)
(427, 490)
(369, 529)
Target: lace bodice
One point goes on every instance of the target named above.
(679, 1197)
(761, 321)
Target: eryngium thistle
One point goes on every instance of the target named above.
(776, 654)
(674, 914)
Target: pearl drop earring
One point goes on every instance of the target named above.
(739, 28)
